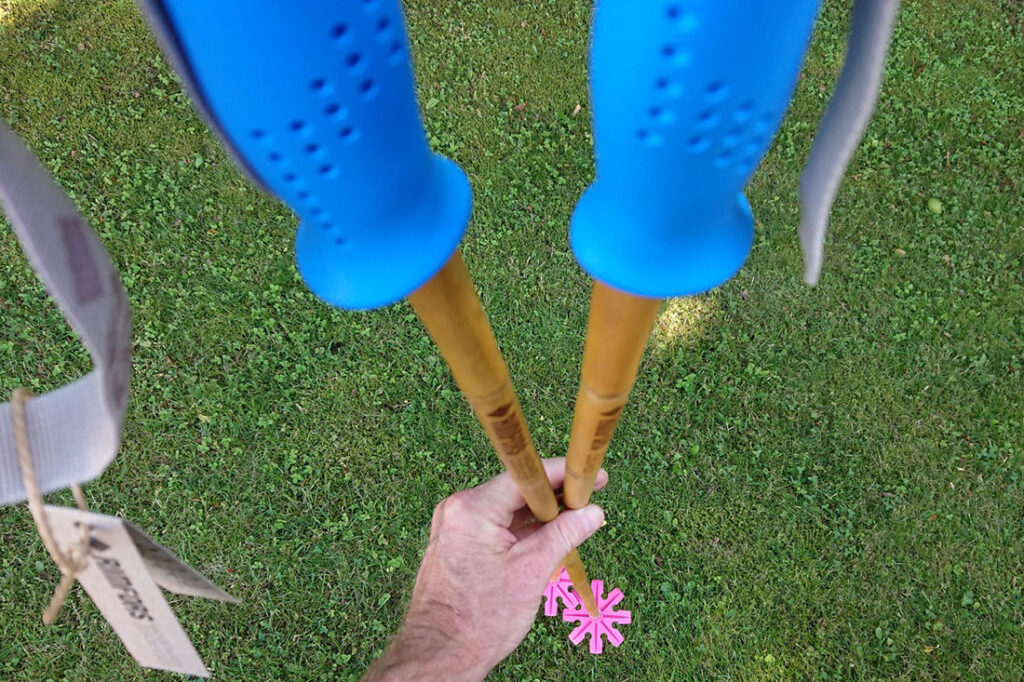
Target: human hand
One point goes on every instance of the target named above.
(481, 580)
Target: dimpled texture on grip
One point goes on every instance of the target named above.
(686, 98)
(319, 100)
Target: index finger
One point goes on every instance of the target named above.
(501, 496)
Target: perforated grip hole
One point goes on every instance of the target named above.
(669, 88)
(335, 111)
(707, 119)
(680, 18)
(368, 89)
(697, 144)
(716, 92)
(743, 112)
(650, 137)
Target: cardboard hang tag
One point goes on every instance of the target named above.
(124, 568)
(170, 572)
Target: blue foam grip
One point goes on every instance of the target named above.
(686, 97)
(318, 101)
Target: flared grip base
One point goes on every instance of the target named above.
(370, 268)
(659, 254)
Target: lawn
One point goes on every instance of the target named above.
(808, 483)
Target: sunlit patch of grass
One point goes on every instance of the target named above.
(682, 319)
(16, 11)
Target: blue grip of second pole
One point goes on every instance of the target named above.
(318, 100)
(686, 97)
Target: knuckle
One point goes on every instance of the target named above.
(454, 507)
(435, 520)
(452, 514)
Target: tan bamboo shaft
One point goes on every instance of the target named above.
(451, 311)
(617, 332)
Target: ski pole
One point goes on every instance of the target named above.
(318, 106)
(686, 98)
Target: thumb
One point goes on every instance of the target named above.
(561, 535)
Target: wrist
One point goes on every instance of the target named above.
(427, 650)
(452, 648)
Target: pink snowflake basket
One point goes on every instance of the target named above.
(605, 622)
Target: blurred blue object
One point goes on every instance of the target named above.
(686, 99)
(317, 102)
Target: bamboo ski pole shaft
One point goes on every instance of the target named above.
(451, 311)
(617, 332)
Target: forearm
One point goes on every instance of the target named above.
(422, 652)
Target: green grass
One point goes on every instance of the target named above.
(808, 484)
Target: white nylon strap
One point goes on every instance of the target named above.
(843, 125)
(75, 431)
